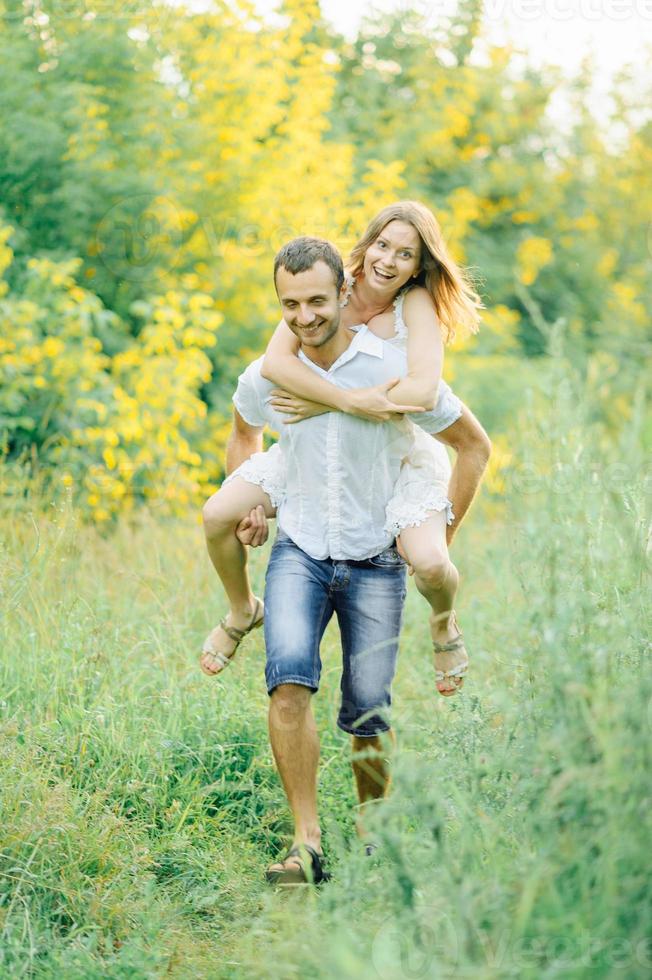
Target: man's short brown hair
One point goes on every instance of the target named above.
(301, 254)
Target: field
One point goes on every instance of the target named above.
(140, 804)
(153, 158)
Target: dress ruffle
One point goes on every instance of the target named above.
(266, 470)
(421, 487)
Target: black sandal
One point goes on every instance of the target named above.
(315, 875)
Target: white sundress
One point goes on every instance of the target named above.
(422, 484)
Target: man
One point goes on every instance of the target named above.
(332, 554)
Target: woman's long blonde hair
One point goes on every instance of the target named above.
(454, 297)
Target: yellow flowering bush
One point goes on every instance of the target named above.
(113, 429)
(49, 359)
(531, 256)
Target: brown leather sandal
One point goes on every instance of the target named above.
(223, 660)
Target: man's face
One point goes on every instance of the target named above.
(310, 303)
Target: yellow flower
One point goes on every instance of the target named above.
(532, 255)
(53, 346)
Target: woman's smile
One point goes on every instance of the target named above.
(382, 275)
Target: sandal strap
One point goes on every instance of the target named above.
(221, 658)
(459, 671)
(298, 848)
(237, 634)
(316, 859)
(453, 644)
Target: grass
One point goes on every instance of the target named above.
(139, 803)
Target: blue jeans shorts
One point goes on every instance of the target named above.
(301, 595)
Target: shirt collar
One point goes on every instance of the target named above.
(364, 342)
(367, 342)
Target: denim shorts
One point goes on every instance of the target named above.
(301, 595)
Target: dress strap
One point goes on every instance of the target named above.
(400, 329)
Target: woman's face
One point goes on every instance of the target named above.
(394, 257)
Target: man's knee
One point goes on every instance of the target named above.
(291, 695)
(288, 705)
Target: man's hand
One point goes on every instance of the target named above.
(399, 548)
(451, 531)
(253, 530)
(294, 406)
(374, 405)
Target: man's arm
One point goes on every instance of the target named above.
(473, 447)
(244, 440)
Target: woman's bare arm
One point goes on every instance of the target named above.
(425, 351)
(282, 366)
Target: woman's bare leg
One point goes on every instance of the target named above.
(424, 547)
(222, 513)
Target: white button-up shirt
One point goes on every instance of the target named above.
(341, 469)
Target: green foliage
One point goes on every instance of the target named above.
(118, 430)
(77, 96)
(158, 153)
(140, 803)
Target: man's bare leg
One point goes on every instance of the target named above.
(222, 513)
(295, 744)
(370, 764)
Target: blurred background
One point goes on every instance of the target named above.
(154, 156)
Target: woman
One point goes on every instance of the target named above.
(403, 284)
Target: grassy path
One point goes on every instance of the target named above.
(140, 806)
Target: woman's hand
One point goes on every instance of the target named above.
(297, 409)
(374, 405)
(366, 403)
